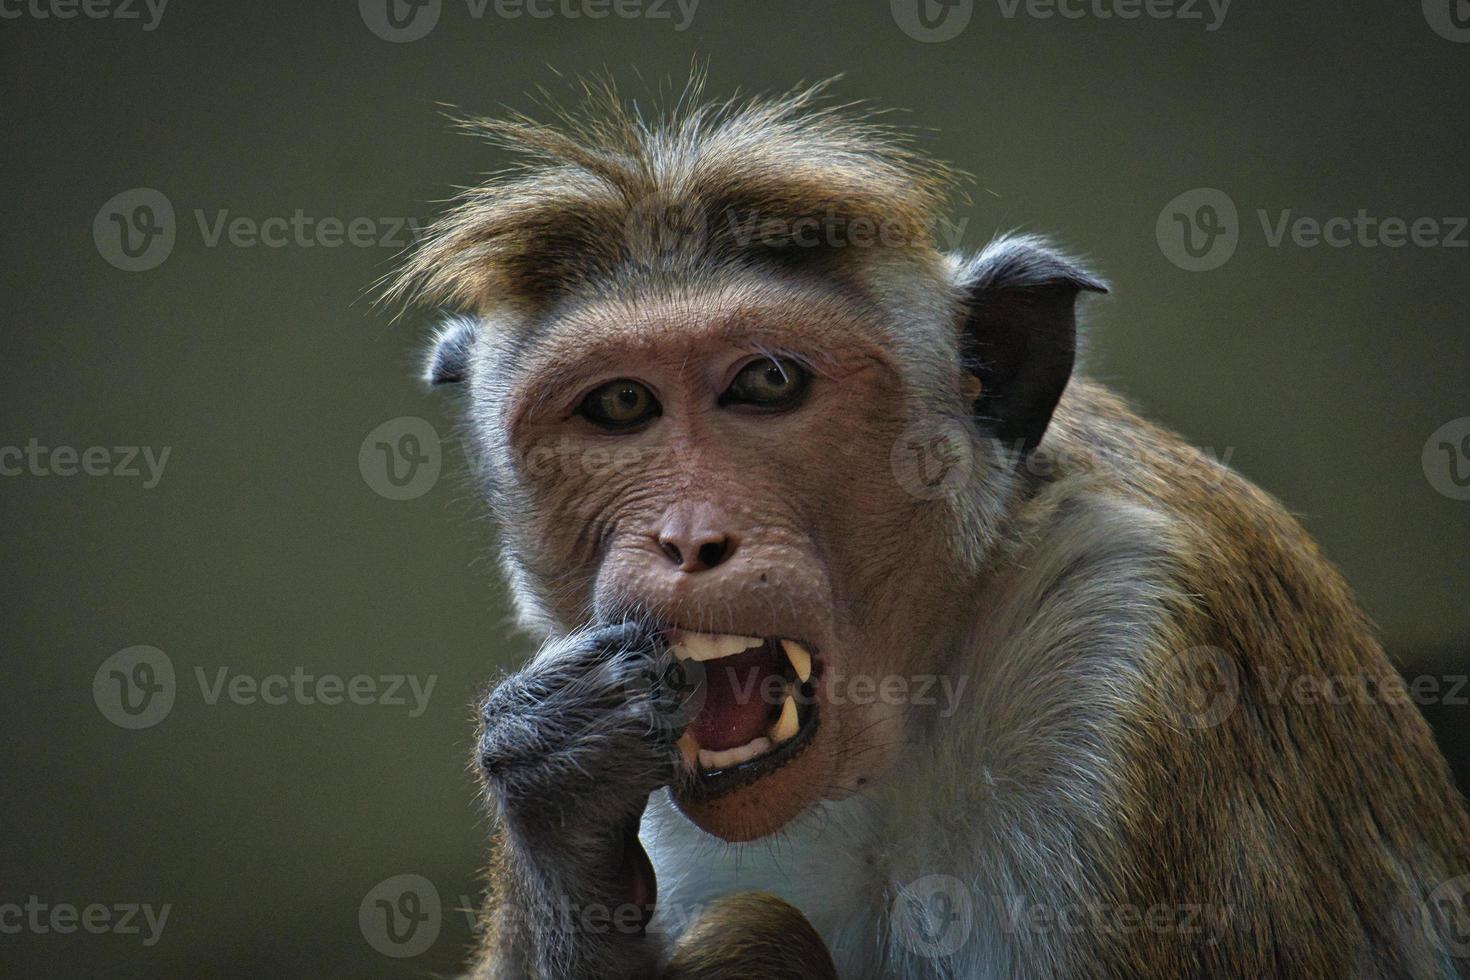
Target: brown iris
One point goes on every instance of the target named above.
(773, 382)
(620, 404)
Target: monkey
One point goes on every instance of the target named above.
(768, 468)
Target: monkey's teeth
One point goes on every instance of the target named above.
(711, 646)
(730, 645)
(710, 759)
(800, 659)
(786, 726)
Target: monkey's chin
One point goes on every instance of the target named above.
(762, 801)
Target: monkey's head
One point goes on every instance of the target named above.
(719, 376)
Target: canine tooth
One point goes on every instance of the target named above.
(786, 725)
(800, 659)
(711, 759)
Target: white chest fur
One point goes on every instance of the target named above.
(825, 863)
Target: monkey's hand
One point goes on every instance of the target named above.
(570, 749)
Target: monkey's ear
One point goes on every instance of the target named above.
(449, 352)
(1019, 334)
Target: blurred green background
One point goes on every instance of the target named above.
(264, 549)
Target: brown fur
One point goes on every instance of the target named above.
(1339, 818)
(704, 179)
(751, 935)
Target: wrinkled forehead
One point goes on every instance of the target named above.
(823, 322)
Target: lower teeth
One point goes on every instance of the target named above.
(724, 759)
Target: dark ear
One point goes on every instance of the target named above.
(1019, 335)
(449, 354)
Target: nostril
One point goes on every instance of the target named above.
(697, 552)
(712, 553)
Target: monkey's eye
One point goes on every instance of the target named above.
(772, 382)
(620, 404)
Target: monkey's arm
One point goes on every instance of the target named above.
(570, 749)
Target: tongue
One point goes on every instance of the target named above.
(735, 706)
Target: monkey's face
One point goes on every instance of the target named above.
(720, 461)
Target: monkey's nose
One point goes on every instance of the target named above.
(696, 550)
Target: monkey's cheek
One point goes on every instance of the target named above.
(766, 805)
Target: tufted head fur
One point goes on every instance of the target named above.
(608, 196)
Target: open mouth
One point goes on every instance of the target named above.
(756, 704)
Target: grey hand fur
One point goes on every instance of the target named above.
(570, 749)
